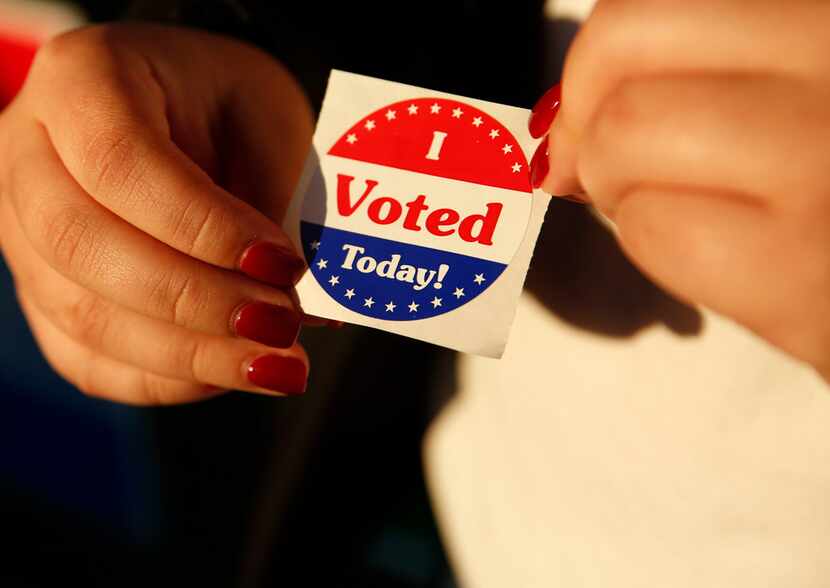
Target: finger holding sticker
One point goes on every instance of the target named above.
(413, 207)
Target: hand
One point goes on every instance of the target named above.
(702, 129)
(143, 171)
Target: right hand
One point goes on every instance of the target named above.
(143, 174)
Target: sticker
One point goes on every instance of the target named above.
(413, 206)
(432, 199)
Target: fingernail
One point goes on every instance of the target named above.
(287, 375)
(539, 164)
(271, 264)
(269, 324)
(544, 112)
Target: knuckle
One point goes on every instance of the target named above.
(68, 50)
(193, 358)
(87, 320)
(178, 298)
(203, 232)
(113, 159)
(185, 358)
(78, 42)
(618, 115)
(150, 390)
(66, 234)
(53, 53)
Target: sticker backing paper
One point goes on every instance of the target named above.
(415, 213)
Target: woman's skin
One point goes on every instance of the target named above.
(135, 269)
(701, 128)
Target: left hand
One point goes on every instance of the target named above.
(702, 129)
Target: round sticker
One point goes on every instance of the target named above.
(424, 203)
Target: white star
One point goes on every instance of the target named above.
(349, 293)
(479, 279)
(494, 133)
(370, 124)
(436, 302)
(315, 245)
(412, 109)
(459, 292)
(334, 280)
(413, 307)
(390, 114)
(517, 167)
(507, 149)
(477, 122)
(322, 264)
(368, 302)
(351, 139)
(457, 112)
(390, 307)
(434, 109)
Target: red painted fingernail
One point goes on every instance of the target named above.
(544, 112)
(287, 375)
(271, 264)
(539, 164)
(272, 325)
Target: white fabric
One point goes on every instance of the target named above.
(582, 461)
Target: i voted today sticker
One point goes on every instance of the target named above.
(413, 207)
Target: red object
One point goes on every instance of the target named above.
(439, 137)
(271, 325)
(287, 375)
(540, 164)
(545, 112)
(274, 265)
(16, 55)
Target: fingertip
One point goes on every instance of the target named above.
(269, 324)
(272, 264)
(277, 373)
(544, 112)
(562, 178)
(540, 164)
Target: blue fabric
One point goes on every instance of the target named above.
(67, 451)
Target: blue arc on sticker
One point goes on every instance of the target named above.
(389, 280)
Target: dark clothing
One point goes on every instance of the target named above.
(488, 50)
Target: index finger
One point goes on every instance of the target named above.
(113, 135)
(624, 39)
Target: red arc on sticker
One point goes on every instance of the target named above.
(425, 203)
